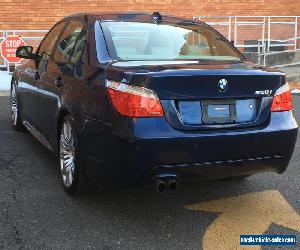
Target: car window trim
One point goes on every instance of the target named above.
(101, 43)
(56, 43)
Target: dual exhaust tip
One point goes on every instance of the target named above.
(166, 183)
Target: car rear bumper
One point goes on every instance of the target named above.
(156, 148)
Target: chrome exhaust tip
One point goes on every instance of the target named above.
(161, 186)
(172, 185)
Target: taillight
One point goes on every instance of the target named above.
(282, 100)
(134, 101)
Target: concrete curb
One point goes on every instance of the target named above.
(293, 78)
(4, 93)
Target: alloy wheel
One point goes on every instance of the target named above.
(67, 154)
(14, 105)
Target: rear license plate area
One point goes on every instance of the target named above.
(218, 111)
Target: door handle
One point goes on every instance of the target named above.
(59, 82)
(36, 75)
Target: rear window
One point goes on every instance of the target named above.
(147, 41)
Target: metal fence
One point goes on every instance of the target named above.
(266, 40)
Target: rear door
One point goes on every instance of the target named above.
(44, 52)
(59, 77)
(31, 75)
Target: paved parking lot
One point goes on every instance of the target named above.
(35, 213)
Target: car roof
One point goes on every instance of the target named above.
(132, 16)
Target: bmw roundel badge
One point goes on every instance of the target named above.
(223, 85)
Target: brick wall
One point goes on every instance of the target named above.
(42, 14)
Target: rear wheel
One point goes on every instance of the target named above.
(14, 109)
(71, 167)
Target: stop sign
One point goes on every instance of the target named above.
(9, 46)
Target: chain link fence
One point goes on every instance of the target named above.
(266, 40)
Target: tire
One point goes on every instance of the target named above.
(70, 163)
(14, 109)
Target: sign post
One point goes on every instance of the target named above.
(8, 49)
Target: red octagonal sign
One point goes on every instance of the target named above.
(9, 47)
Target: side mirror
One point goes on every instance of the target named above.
(25, 52)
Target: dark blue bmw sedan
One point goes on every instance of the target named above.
(127, 99)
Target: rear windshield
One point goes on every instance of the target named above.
(130, 41)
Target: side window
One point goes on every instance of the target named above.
(48, 43)
(79, 52)
(72, 44)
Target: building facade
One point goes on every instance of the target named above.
(42, 14)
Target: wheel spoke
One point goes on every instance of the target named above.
(67, 154)
(70, 176)
(14, 105)
(65, 144)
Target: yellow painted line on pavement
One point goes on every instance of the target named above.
(245, 214)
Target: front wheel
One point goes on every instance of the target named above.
(14, 109)
(71, 167)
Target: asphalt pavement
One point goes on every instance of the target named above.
(35, 213)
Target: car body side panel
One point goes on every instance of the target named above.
(78, 96)
(48, 100)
